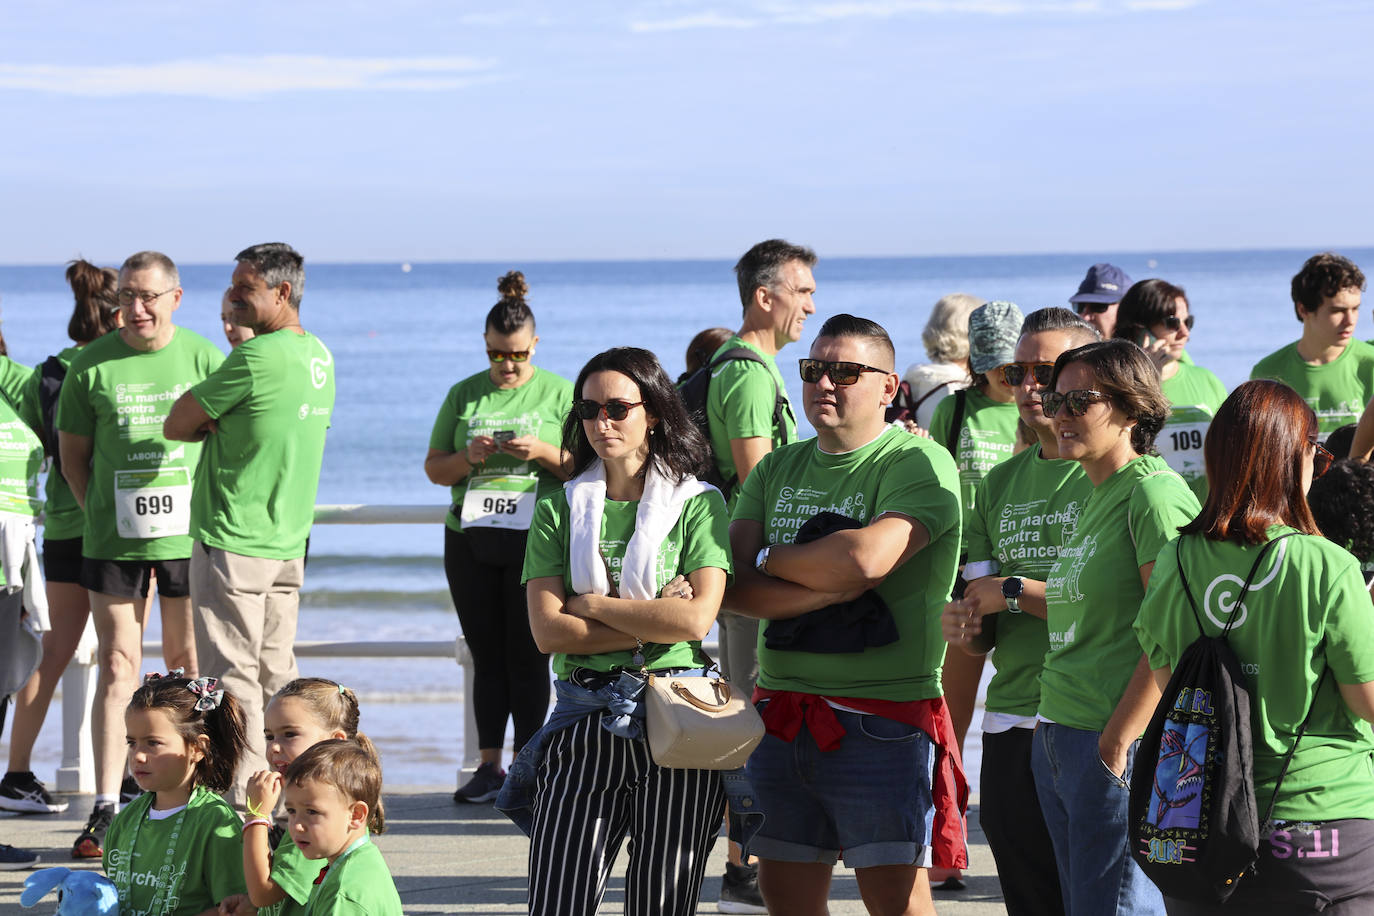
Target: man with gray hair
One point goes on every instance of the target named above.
(263, 417)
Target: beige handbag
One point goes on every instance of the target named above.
(697, 723)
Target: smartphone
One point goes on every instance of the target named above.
(1145, 339)
(503, 435)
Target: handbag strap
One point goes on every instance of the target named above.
(1245, 589)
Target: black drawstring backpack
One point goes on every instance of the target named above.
(1193, 823)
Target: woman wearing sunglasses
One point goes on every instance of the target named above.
(1155, 314)
(495, 443)
(625, 573)
(1305, 638)
(1096, 692)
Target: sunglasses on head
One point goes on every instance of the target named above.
(1015, 373)
(615, 409)
(1096, 308)
(1075, 401)
(1321, 459)
(515, 356)
(1173, 322)
(840, 373)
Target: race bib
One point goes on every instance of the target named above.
(1180, 445)
(499, 502)
(154, 503)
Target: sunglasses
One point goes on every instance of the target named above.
(1076, 401)
(1173, 322)
(1096, 308)
(840, 373)
(1321, 459)
(1015, 373)
(515, 356)
(587, 409)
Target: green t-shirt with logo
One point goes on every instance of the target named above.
(503, 488)
(357, 884)
(1307, 590)
(1093, 591)
(138, 499)
(255, 488)
(294, 874)
(700, 538)
(1338, 391)
(986, 438)
(206, 862)
(1023, 512)
(739, 405)
(21, 459)
(17, 387)
(1195, 395)
(895, 473)
(62, 515)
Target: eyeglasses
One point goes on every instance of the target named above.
(588, 409)
(1321, 460)
(1076, 401)
(515, 356)
(127, 296)
(1173, 322)
(840, 373)
(1015, 373)
(1097, 308)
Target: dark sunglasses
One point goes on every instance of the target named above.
(1096, 308)
(1076, 401)
(1321, 460)
(588, 409)
(515, 356)
(1015, 373)
(840, 373)
(1173, 321)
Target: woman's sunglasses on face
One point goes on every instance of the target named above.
(1173, 322)
(615, 409)
(1015, 373)
(840, 373)
(1321, 458)
(515, 356)
(1076, 401)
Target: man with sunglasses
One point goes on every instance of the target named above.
(1098, 296)
(864, 770)
(135, 488)
(263, 416)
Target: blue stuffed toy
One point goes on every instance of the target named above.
(79, 893)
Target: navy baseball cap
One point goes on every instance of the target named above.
(1104, 283)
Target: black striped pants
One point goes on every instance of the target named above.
(594, 789)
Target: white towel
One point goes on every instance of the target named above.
(658, 511)
(19, 562)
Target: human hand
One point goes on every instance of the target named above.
(678, 587)
(960, 623)
(480, 449)
(1113, 754)
(235, 905)
(264, 789)
(1158, 350)
(986, 596)
(915, 429)
(526, 448)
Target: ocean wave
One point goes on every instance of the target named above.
(382, 562)
(378, 599)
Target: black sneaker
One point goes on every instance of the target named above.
(22, 792)
(12, 859)
(129, 790)
(88, 844)
(739, 890)
(484, 785)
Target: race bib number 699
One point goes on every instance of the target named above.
(154, 503)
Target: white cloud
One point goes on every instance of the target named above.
(811, 13)
(699, 21)
(239, 77)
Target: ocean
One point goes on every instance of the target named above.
(403, 334)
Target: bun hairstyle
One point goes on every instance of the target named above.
(221, 724)
(334, 706)
(511, 313)
(96, 311)
(348, 767)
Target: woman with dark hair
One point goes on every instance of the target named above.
(625, 572)
(94, 314)
(1096, 693)
(1305, 638)
(1155, 315)
(1342, 502)
(495, 444)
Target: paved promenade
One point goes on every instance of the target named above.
(469, 859)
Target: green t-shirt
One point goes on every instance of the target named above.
(21, 458)
(1023, 512)
(206, 863)
(700, 538)
(1195, 395)
(295, 874)
(1094, 591)
(739, 405)
(1308, 590)
(896, 472)
(357, 884)
(16, 384)
(986, 437)
(504, 489)
(1338, 391)
(255, 487)
(62, 515)
(140, 489)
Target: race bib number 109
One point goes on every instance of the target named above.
(153, 503)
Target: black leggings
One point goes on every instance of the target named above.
(510, 674)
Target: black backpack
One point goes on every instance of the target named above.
(50, 376)
(693, 390)
(1194, 828)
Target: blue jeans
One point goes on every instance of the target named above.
(1085, 808)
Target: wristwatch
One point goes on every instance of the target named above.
(761, 560)
(1012, 590)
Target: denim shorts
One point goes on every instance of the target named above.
(869, 800)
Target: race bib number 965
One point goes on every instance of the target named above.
(153, 503)
(499, 502)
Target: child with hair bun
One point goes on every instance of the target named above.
(174, 851)
(333, 802)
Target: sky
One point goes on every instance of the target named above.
(420, 130)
